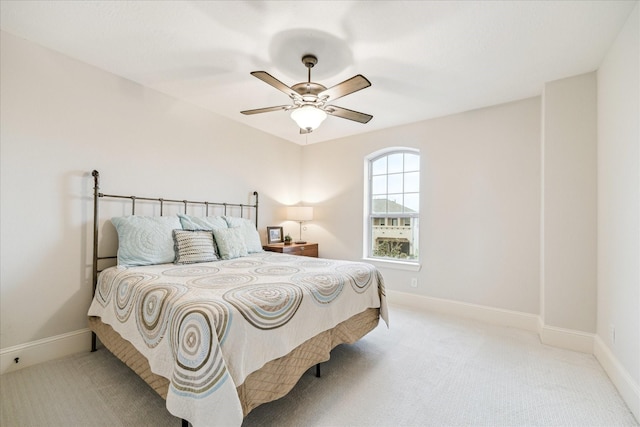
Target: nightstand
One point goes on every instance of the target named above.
(304, 249)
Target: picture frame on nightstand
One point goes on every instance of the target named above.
(274, 235)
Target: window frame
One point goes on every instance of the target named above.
(412, 264)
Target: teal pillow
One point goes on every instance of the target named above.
(248, 232)
(202, 222)
(145, 240)
(230, 242)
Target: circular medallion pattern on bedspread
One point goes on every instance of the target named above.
(266, 306)
(200, 369)
(276, 270)
(315, 263)
(103, 288)
(126, 289)
(107, 277)
(153, 314)
(278, 258)
(324, 286)
(361, 275)
(190, 271)
(241, 263)
(222, 280)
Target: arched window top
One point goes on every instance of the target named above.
(391, 150)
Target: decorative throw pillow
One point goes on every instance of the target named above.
(203, 223)
(230, 243)
(248, 231)
(193, 246)
(145, 240)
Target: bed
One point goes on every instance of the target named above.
(212, 323)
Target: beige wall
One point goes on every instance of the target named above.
(61, 119)
(569, 200)
(482, 193)
(480, 203)
(619, 198)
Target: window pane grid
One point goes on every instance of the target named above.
(394, 188)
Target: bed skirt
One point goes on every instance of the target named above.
(274, 380)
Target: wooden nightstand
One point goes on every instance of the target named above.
(304, 249)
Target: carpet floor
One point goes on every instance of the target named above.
(426, 370)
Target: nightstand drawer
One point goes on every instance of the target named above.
(302, 249)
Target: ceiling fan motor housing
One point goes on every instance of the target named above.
(308, 88)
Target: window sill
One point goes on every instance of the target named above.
(396, 265)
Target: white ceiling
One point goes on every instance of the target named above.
(424, 59)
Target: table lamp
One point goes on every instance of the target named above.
(300, 214)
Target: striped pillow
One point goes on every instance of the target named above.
(193, 246)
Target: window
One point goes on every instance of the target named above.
(393, 207)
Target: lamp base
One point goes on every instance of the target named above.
(300, 242)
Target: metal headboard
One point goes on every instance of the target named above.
(97, 195)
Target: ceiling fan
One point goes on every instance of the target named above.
(310, 100)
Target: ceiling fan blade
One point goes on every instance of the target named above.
(269, 79)
(351, 85)
(347, 114)
(266, 109)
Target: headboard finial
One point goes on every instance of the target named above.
(96, 179)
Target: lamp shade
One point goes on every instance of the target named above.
(308, 117)
(300, 213)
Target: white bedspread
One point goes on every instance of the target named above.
(206, 326)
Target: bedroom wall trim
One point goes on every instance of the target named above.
(549, 335)
(567, 338)
(496, 316)
(43, 350)
(627, 387)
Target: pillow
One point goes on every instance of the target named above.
(230, 242)
(193, 246)
(248, 232)
(145, 240)
(202, 222)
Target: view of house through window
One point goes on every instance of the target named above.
(393, 209)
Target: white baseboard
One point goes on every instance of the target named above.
(627, 387)
(567, 338)
(550, 335)
(496, 316)
(44, 350)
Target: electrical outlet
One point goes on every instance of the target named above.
(414, 282)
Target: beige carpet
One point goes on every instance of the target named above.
(427, 370)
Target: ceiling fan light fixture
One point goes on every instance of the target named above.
(308, 117)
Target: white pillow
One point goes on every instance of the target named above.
(145, 240)
(248, 231)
